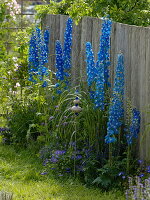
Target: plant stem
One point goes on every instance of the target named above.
(75, 145)
(110, 155)
(128, 159)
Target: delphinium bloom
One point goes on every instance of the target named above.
(33, 57)
(38, 57)
(67, 45)
(104, 50)
(46, 39)
(59, 61)
(98, 73)
(99, 96)
(102, 65)
(116, 110)
(90, 66)
(63, 56)
(134, 128)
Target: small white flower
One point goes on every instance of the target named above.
(15, 59)
(17, 85)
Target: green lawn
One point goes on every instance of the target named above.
(20, 174)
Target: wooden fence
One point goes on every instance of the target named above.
(132, 41)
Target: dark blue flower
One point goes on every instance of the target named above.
(53, 159)
(44, 173)
(67, 45)
(46, 39)
(98, 72)
(104, 51)
(90, 64)
(116, 111)
(59, 61)
(38, 57)
(141, 175)
(134, 128)
(63, 57)
(60, 152)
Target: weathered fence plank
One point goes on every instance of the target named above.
(132, 41)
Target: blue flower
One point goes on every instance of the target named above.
(44, 173)
(38, 56)
(103, 54)
(90, 64)
(53, 159)
(98, 72)
(134, 128)
(44, 84)
(67, 45)
(116, 111)
(63, 56)
(59, 61)
(141, 175)
(46, 40)
(60, 152)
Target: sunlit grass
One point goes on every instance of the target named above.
(20, 174)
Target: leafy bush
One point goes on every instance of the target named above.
(128, 12)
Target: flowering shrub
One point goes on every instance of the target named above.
(12, 7)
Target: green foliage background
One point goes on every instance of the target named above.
(135, 12)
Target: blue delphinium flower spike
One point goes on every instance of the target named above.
(46, 40)
(103, 54)
(116, 110)
(67, 45)
(134, 128)
(59, 61)
(100, 86)
(38, 57)
(90, 64)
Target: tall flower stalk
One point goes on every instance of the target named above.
(38, 56)
(63, 56)
(116, 110)
(132, 133)
(104, 50)
(98, 73)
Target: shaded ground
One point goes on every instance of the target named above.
(20, 174)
